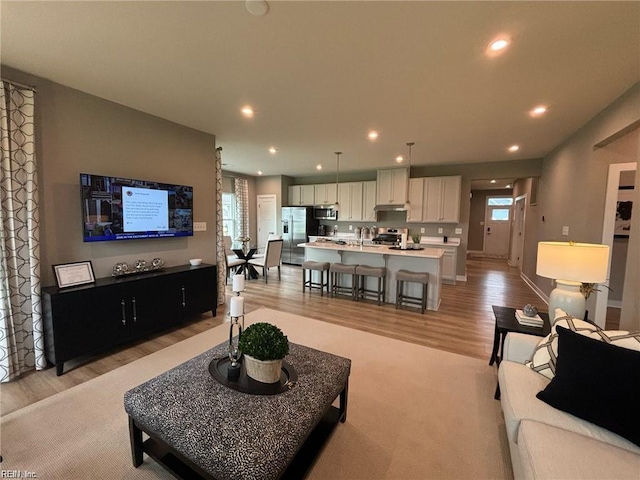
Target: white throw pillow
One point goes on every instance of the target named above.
(620, 338)
(546, 353)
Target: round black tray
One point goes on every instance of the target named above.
(405, 249)
(218, 370)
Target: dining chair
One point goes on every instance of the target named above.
(231, 260)
(272, 236)
(271, 258)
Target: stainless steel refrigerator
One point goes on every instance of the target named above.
(297, 224)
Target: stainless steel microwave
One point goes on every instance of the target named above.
(324, 213)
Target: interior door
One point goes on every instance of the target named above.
(497, 225)
(517, 234)
(267, 219)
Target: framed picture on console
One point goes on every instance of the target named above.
(73, 274)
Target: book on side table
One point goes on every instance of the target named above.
(528, 321)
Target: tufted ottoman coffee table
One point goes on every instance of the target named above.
(198, 428)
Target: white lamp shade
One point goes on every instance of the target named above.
(577, 262)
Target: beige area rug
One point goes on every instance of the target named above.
(413, 413)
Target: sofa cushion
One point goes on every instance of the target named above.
(519, 386)
(598, 382)
(550, 452)
(546, 354)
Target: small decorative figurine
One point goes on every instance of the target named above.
(529, 310)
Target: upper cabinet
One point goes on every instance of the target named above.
(357, 199)
(350, 199)
(416, 200)
(301, 195)
(325, 194)
(392, 186)
(369, 201)
(435, 199)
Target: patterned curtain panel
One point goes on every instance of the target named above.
(241, 186)
(21, 335)
(220, 249)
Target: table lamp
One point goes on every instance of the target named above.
(571, 264)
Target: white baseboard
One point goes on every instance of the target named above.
(614, 304)
(461, 278)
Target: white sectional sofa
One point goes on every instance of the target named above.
(547, 443)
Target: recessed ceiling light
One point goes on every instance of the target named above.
(498, 45)
(373, 135)
(259, 172)
(538, 111)
(272, 150)
(514, 148)
(508, 185)
(256, 7)
(247, 111)
(399, 159)
(493, 181)
(318, 167)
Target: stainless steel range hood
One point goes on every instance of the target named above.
(390, 208)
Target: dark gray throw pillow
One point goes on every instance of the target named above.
(597, 382)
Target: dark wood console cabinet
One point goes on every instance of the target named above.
(86, 319)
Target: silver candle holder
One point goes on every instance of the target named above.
(236, 326)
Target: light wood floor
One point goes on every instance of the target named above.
(464, 324)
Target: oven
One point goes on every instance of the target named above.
(389, 236)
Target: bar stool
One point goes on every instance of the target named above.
(363, 271)
(335, 273)
(414, 277)
(319, 267)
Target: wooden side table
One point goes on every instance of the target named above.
(506, 322)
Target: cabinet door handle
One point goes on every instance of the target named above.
(135, 312)
(184, 298)
(124, 311)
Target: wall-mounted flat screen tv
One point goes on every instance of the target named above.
(116, 208)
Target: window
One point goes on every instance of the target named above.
(229, 216)
(499, 201)
(500, 214)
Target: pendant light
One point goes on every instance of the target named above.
(336, 206)
(407, 205)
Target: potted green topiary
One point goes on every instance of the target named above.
(264, 346)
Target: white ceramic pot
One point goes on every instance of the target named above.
(265, 371)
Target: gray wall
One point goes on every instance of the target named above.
(573, 184)
(77, 132)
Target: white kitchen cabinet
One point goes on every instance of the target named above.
(301, 195)
(369, 201)
(416, 194)
(325, 194)
(449, 264)
(441, 199)
(350, 197)
(434, 200)
(392, 186)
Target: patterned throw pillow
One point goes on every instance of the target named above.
(620, 338)
(546, 353)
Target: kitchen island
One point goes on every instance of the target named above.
(424, 260)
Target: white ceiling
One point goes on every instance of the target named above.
(321, 74)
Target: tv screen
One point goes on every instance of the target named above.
(115, 208)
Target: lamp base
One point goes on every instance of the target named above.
(568, 297)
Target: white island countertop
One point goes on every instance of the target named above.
(376, 250)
